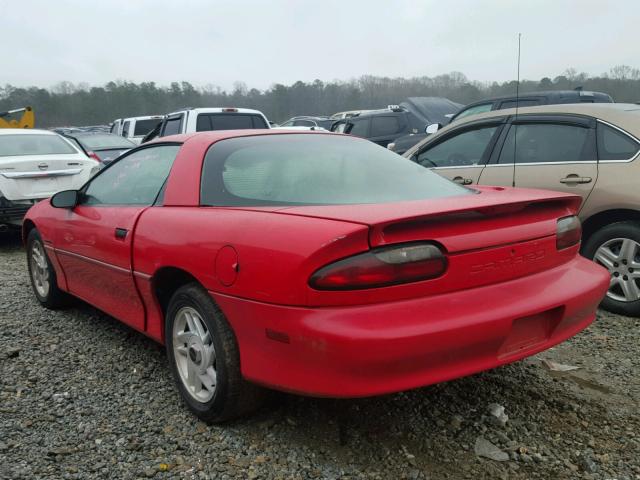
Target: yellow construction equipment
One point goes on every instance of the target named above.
(27, 120)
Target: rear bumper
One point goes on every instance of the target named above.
(375, 349)
(12, 213)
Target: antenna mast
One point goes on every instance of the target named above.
(515, 124)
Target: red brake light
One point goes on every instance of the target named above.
(569, 232)
(382, 267)
(94, 156)
(229, 109)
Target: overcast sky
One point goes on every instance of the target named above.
(266, 42)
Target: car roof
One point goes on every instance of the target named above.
(217, 110)
(544, 93)
(147, 117)
(25, 131)
(623, 115)
(216, 135)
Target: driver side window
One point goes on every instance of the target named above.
(135, 179)
(465, 149)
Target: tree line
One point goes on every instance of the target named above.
(68, 104)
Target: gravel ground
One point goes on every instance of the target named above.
(82, 396)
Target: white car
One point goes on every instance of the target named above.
(35, 164)
(206, 119)
(135, 128)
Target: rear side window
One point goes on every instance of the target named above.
(308, 169)
(133, 180)
(172, 126)
(34, 144)
(228, 121)
(547, 143)
(384, 126)
(359, 128)
(466, 148)
(125, 129)
(145, 126)
(615, 145)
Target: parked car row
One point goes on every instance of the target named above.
(526, 99)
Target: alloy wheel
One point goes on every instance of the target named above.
(194, 354)
(39, 268)
(621, 256)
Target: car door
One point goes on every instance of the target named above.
(94, 239)
(555, 152)
(461, 153)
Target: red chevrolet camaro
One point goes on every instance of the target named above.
(314, 263)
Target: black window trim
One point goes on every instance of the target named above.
(500, 122)
(145, 146)
(624, 132)
(576, 120)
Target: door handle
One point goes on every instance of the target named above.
(462, 181)
(575, 179)
(121, 233)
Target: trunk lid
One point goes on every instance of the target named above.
(494, 236)
(494, 216)
(25, 177)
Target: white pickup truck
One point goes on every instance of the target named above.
(206, 119)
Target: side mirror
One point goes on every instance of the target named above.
(433, 128)
(65, 199)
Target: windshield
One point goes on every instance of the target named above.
(304, 169)
(97, 142)
(34, 144)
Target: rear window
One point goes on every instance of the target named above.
(96, 142)
(145, 126)
(615, 145)
(34, 144)
(307, 169)
(228, 121)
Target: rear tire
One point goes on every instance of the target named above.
(42, 274)
(617, 248)
(204, 358)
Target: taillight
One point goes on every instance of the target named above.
(569, 232)
(230, 110)
(382, 267)
(94, 156)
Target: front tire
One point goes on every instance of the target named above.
(42, 274)
(617, 248)
(204, 358)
